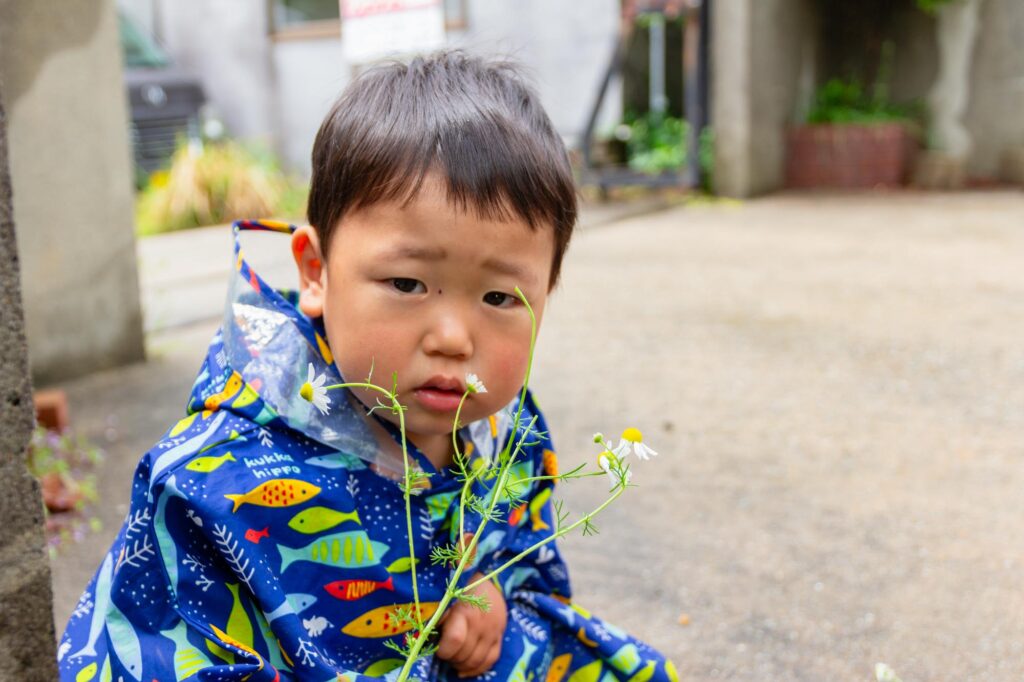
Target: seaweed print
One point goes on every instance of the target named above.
(529, 626)
(426, 525)
(139, 554)
(307, 654)
(234, 555)
(135, 523)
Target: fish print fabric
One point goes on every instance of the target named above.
(268, 541)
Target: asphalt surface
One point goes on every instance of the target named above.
(836, 388)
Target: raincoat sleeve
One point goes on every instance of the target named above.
(165, 603)
(527, 521)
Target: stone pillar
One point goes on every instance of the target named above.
(759, 49)
(26, 622)
(70, 165)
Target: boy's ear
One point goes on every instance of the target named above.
(312, 273)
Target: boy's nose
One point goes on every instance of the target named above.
(449, 335)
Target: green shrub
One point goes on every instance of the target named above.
(656, 143)
(216, 183)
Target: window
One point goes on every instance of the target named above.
(320, 18)
(305, 18)
(455, 14)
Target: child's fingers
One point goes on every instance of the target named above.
(453, 636)
(475, 664)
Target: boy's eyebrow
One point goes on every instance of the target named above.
(506, 268)
(408, 251)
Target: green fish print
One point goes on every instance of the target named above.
(352, 549)
(205, 465)
(188, 660)
(317, 519)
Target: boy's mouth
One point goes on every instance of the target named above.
(440, 394)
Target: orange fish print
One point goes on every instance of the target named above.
(350, 590)
(516, 516)
(382, 621)
(253, 535)
(550, 463)
(280, 492)
(233, 386)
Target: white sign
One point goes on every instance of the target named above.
(372, 29)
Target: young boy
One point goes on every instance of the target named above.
(267, 534)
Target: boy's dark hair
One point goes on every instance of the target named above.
(474, 122)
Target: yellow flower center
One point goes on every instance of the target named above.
(306, 391)
(633, 435)
(607, 457)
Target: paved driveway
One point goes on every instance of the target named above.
(836, 386)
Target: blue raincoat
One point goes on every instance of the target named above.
(267, 540)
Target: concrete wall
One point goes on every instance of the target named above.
(763, 58)
(224, 43)
(26, 625)
(279, 90)
(997, 78)
(71, 171)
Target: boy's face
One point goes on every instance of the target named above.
(426, 291)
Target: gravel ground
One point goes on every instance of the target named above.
(836, 387)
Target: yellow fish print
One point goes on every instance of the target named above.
(316, 519)
(588, 673)
(382, 621)
(645, 673)
(205, 465)
(247, 397)
(383, 666)
(183, 424)
(536, 506)
(280, 492)
(558, 668)
(87, 673)
(231, 641)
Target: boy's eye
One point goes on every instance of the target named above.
(499, 299)
(407, 285)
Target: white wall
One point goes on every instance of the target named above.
(279, 91)
(565, 44)
(308, 77)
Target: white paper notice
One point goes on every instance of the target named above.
(373, 29)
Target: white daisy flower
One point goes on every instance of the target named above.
(313, 391)
(474, 384)
(633, 440)
(612, 466)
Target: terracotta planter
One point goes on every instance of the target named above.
(848, 155)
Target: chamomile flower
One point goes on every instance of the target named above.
(474, 385)
(612, 466)
(633, 440)
(313, 391)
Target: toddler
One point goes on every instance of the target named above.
(267, 535)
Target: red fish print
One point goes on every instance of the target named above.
(350, 590)
(517, 515)
(253, 535)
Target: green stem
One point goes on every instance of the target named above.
(400, 409)
(507, 458)
(561, 531)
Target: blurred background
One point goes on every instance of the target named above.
(801, 242)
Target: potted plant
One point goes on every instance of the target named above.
(851, 139)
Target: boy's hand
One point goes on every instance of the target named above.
(471, 638)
